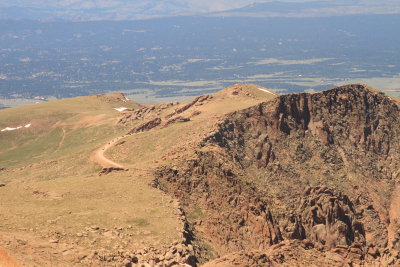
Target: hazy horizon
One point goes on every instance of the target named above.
(139, 9)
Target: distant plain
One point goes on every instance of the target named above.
(177, 58)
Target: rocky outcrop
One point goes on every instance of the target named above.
(247, 182)
(242, 258)
(288, 253)
(153, 115)
(176, 255)
(115, 98)
(198, 101)
(144, 113)
(228, 212)
(175, 120)
(108, 170)
(350, 116)
(347, 137)
(328, 219)
(146, 126)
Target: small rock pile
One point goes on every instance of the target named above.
(180, 253)
(106, 171)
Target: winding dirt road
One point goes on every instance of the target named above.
(98, 155)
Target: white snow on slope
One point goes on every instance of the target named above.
(120, 109)
(265, 90)
(7, 129)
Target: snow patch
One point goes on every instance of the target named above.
(8, 129)
(265, 90)
(120, 109)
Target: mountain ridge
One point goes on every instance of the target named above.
(312, 9)
(261, 179)
(239, 156)
(118, 10)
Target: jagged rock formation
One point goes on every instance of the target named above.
(144, 113)
(245, 186)
(198, 101)
(152, 116)
(328, 219)
(146, 126)
(232, 216)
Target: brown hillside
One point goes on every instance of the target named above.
(76, 188)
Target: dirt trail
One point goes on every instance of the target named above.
(98, 155)
(64, 133)
(394, 213)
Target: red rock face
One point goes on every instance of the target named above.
(328, 219)
(146, 126)
(250, 177)
(197, 101)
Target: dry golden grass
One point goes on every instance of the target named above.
(66, 210)
(53, 196)
(178, 139)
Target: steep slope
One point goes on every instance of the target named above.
(320, 167)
